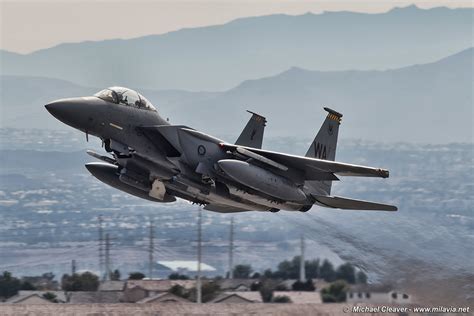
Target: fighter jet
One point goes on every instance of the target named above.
(157, 161)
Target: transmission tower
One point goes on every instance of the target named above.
(199, 255)
(231, 249)
(101, 248)
(107, 256)
(150, 251)
(302, 267)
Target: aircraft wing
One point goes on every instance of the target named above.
(314, 169)
(351, 204)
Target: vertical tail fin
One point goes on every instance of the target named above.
(324, 146)
(252, 135)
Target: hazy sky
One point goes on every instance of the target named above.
(31, 25)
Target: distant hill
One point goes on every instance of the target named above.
(423, 103)
(220, 57)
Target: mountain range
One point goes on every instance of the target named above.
(430, 103)
(217, 58)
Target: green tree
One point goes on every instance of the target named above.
(361, 277)
(179, 290)
(86, 281)
(242, 271)
(346, 272)
(177, 276)
(281, 287)
(327, 271)
(303, 286)
(50, 297)
(312, 269)
(9, 285)
(266, 291)
(136, 276)
(255, 286)
(27, 286)
(281, 299)
(115, 275)
(48, 275)
(268, 274)
(210, 291)
(291, 269)
(282, 270)
(335, 293)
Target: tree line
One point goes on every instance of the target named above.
(266, 282)
(290, 269)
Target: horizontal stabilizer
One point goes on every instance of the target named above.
(350, 204)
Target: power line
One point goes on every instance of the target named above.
(199, 255)
(302, 263)
(107, 257)
(150, 252)
(101, 250)
(73, 267)
(231, 249)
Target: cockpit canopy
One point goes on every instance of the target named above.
(120, 95)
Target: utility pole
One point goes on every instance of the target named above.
(73, 267)
(302, 267)
(101, 249)
(199, 254)
(150, 252)
(231, 249)
(107, 256)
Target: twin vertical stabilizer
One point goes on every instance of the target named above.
(324, 147)
(252, 135)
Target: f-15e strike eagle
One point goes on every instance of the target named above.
(157, 161)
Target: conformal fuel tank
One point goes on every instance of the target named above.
(261, 180)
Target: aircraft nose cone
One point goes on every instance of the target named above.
(69, 111)
(55, 108)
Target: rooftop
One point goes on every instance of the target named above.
(160, 285)
(22, 295)
(94, 297)
(163, 298)
(251, 296)
(235, 283)
(108, 286)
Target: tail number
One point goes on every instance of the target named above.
(320, 151)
